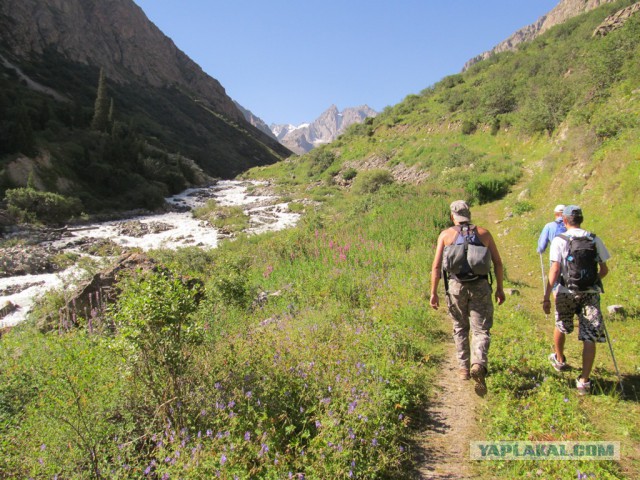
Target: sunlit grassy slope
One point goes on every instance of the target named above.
(555, 122)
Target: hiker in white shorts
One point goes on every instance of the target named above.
(576, 294)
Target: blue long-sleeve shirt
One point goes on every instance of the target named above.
(550, 230)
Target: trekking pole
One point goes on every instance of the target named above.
(544, 284)
(615, 364)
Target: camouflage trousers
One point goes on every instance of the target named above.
(471, 309)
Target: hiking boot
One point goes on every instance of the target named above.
(559, 366)
(582, 386)
(478, 373)
(463, 374)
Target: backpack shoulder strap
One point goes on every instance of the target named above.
(564, 237)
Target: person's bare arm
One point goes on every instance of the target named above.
(554, 276)
(436, 268)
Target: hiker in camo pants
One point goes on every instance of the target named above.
(469, 300)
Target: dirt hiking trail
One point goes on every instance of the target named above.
(449, 425)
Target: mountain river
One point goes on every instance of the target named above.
(169, 230)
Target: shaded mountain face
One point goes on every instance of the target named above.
(255, 120)
(562, 12)
(61, 43)
(324, 129)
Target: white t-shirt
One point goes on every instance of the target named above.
(559, 251)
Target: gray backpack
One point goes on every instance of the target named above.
(466, 259)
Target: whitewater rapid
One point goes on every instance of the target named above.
(179, 230)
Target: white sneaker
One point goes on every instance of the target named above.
(582, 386)
(559, 366)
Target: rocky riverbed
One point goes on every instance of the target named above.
(39, 260)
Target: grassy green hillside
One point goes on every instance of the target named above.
(311, 353)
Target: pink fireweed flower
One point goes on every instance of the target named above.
(268, 271)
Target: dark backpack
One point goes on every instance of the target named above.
(466, 258)
(582, 262)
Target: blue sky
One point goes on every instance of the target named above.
(288, 60)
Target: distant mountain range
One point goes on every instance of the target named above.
(324, 129)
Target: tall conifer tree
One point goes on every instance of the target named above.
(101, 108)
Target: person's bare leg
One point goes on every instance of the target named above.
(558, 341)
(588, 357)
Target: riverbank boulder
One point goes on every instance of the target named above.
(92, 296)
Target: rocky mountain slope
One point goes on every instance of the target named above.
(565, 10)
(61, 45)
(254, 120)
(324, 129)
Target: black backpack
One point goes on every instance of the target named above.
(582, 262)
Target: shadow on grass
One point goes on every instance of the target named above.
(630, 384)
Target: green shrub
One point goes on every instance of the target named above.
(231, 219)
(486, 188)
(320, 159)
(30, 205)
(523, 207)
(469, 127)
(157, 333)
(370, 181)
(349, 174)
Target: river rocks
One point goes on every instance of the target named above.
(7, 308)
(135, 228)
(13, 289)
(33, 260)
(101, 247)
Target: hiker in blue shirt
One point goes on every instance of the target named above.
(551, 229)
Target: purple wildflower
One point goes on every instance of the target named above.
(247, 436)
(263, 449)
(223, 459)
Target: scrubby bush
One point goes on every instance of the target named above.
(349, 174)
(523, 207)
(320, 159)
(469, 127)
(156, 335)
(370, 181)
(30, 205)
(487, 187)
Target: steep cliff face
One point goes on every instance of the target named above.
(324, 129)
(113, 34)
(562, 12)
(254, 120)
(60, 45)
